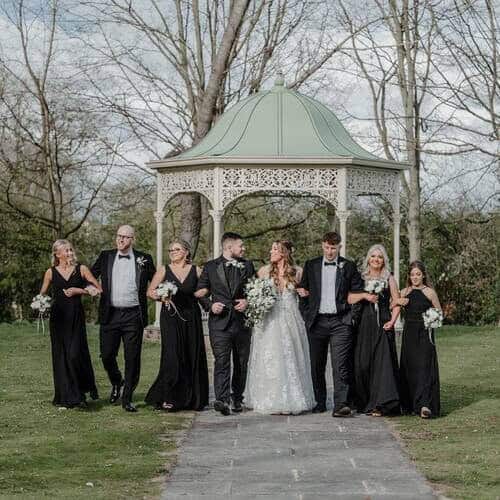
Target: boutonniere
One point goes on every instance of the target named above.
(235, 263)
(141, 261)
(341, 264)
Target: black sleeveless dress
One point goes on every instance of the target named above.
(71, 363)
(375, 360)
(419, 363)
(183, 377)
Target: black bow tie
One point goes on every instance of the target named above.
(330, 263)
(120, 256)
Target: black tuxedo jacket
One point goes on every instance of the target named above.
(214, 278)
(103, 268)
(348, 280)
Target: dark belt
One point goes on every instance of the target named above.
(124, 309)
(328, 315)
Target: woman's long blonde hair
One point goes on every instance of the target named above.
(290, 271)
(56, 246)
(386, 270)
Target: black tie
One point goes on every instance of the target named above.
(120, 256)
(330, 263)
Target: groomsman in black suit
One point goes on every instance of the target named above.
(221, 291)
(325, 284)
(124, 274)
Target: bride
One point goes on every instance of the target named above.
(279, 372)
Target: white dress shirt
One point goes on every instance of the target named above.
(123, 286)
(328, 304)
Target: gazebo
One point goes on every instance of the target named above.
(278, 140)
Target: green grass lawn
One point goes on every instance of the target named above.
(54, 453)
(459, 452)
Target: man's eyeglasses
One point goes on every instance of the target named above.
(123, 237)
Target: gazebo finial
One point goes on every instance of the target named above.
(280, 79)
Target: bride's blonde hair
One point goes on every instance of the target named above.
(290, 271)
(56, 246)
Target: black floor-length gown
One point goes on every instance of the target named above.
(183, 377)
(71, 363)
(375, 360)
(419, 363)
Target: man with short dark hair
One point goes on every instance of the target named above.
(221, 292)
(325, 284)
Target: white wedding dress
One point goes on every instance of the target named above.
(279, 368)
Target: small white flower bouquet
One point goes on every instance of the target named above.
(41, 304)
(166, 290)
(375, 286)
(433, 318)
(261, 295)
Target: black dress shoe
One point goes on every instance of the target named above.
(94, 395)
(345, 411)
(116, 392)
(222, 408)
(319, 409)
(237, 407)
(130, 408)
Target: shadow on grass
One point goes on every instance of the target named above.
(457, 397)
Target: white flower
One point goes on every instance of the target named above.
(41, 303)
(375, 286)
(166, 290)
(235, 263)
(261, 296)
(433, 318)
(141, 261)
(341, 264)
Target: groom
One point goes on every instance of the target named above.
(325, 284)
(221, 291)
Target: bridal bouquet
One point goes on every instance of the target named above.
(376, 286)
(166, 290)
(41, 303)
(261, 296)
(433, 318)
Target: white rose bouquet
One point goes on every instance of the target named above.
(261, 295)
(376, 286)
(41, 303)
(433, 318)
(166, 290)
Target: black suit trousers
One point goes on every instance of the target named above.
(329, 331)
(233, 340)
(126, 325)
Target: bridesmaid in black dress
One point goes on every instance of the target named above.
(71, 363)
(375, 356)
(182, 382)
(419, 363)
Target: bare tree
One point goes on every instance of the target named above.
(53, 159)
(431, 71)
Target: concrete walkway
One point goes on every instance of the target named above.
(303, 457)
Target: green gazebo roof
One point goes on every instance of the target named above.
(277, 126)
(275, 123)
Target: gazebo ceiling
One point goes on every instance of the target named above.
(277, 126)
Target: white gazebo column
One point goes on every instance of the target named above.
(159, 216)
(217, 218)
(342, 208)
(396, 218)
